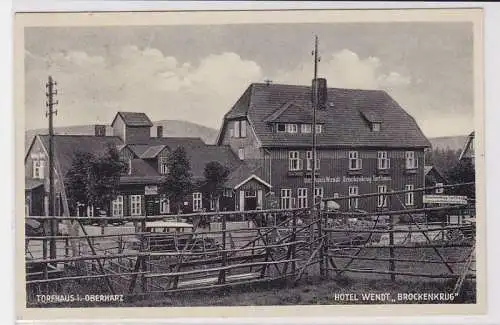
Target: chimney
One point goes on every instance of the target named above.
(100, 130)
(159, 131)
(321, 85)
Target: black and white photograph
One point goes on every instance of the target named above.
(277, 159)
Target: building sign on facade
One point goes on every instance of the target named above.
(445, 199)
(347, 179)
(151, 190)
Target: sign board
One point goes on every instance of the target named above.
(445, 199)
(347, 179)
(150, 190)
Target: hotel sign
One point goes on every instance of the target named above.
(347, 179)
(445, 199)
(150, 190)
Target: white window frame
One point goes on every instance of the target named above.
(353, 191)
(294, 161)
(382, 199)
(117, 206)
(375, 126)
(197, 201)
(383, 163)
(302, 197)
(292, 128)
(305, 128)
(241, 154)
(286, 198)
(213, 202)
(243, 129)
(440, 188)
(38, 168)
(411, 162)
(354, 156)
(409, 196)
(309, 160)
(318, 192)
(236, 128)
(129, 171)
(319, 128)
(163, 165)
(164, 204)
(136, 205)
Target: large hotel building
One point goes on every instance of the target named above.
(365, 143)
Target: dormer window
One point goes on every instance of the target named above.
(241, 154)
(163, 165)
(375, 127)
(306, 128)
(280, 127)
(239, 129)
(292, 128)
(38, 168)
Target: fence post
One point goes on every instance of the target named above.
(392, 265)
(318, 216)
(144, 248)
(294, 239)
(222, 273)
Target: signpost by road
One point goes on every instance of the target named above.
(445, 199)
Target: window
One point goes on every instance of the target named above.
(90, 210)
(117, 206)
(411, 161)
(228, 192)
(319, 128)
(291, 128)
(135, 205)
(164, 204)
(163, 165)
(382, 199)
(354, 161)
(309, 158)
(38, 168)
(306, 128)
(250, 193)
(286, 198)
(375, 127)
(336, 195)
(129, 170)
(243, 129)
(213, 203)
(236, 129)
(294, 163)
(280, 127)
(353, 203)
(318, 194)
(409, 195)
(241, 153)
(197, 202)
(383, 161)
(302, 197)
(439, 189)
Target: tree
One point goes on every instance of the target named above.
(463, 172)
(178, 181)
(215, 176)
(94, 180)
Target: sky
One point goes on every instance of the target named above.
(196, 73)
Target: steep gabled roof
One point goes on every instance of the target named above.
(31, 183)
(133, 119)
(345, 117)
(244, 173)
(468, 148)
(153, 151)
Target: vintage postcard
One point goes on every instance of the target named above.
(249, 163)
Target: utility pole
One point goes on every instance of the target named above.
(51, 91)
(314, 104)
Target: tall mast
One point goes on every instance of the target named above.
(314, 104)
(50, 103)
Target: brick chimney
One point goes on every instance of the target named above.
(159, 131)
(321, 85)
(100, 130)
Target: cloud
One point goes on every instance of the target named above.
(132, 79)
(345, 69)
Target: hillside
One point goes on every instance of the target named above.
(453, 142)
(171, 128)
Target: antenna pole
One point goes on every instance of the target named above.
(50, 104)
(315, 104)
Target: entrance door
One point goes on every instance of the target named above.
(259, 199)
(250, 203)
(242, 201)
